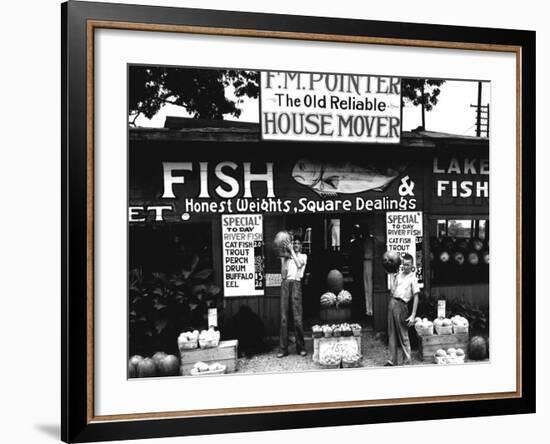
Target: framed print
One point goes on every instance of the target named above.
(276, 221)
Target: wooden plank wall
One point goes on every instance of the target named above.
(380, 300)
(476, 294)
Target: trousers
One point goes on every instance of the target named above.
(291, 296)
(367, 284)
(398, 331)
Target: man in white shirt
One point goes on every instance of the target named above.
(292, 272)
(404, 287)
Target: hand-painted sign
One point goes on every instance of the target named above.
(330, 107)
(182, 191)
(460, 181)
(243, 258)
(404, 234)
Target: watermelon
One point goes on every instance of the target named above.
(282, 239)
(478, 348)
(335, 281)
(391, 261)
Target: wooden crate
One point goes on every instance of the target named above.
(428, 345)
(334, 315)
(225, 353)
(317, 342)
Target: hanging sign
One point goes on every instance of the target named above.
(243, 258)
(404, 235)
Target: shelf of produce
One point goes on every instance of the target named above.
(429, 344)
(225, 353)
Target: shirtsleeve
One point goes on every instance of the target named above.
(415, 287)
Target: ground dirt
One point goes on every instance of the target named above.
(374, 350)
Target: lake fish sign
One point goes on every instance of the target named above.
(330, 107)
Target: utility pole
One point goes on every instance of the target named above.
(478, 120)
(482, 114)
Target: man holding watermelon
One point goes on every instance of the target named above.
(404, 287)
(292, 272)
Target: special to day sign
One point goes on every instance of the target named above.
(330, 107)
(243, 258)
(404, 235)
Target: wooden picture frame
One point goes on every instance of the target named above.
(80, 20)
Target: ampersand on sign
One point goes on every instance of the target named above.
(407, 186)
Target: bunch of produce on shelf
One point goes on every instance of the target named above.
(202, 368)
(317, 331)
(356, 329)
(460, 324)
(424, 327)
(450, 356)
(346, 329)
(188, 340)
(336, 330)
(443, 326)
(160, 364)
(209, 338)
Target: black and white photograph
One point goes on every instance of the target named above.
(294, 221)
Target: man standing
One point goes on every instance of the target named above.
(404, 286)
(292, 271)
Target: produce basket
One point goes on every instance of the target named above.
(337, 333)
(189, 345)
(459, 329)
(441, 330)
(329, 366)
(425, 331)
(205, 343)
(327, 334)
(317, 334)
(440, 359)
(347, 333)
(352, 364)
(195, 372)
(356, 332)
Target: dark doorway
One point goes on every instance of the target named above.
(334, 242)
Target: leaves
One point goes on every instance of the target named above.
(421, 92)
(161, 325)
(478, 317)
(203, 275)
(161, 305)
(200, 91)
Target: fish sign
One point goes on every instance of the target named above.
(330, 179)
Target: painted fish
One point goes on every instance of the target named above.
(331, 179)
